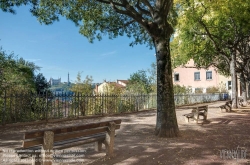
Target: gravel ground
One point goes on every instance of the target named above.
(135, 143)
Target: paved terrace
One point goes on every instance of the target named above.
(136, 144)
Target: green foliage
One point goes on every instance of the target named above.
(212, 89)
(139, 83)
(41, 83)
(112, 88)
(178, 58)
(83, 87)
(210, 31)
(16, 74)
(181, 89)
(80, 88)
(221, 88)
(149, 22)
(126, 105)
(153, 77)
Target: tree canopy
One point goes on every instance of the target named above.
(139, 83)
(16, 73)
(41, 83)
(211, 33)
(83, 86)
(149, 22)
(208, 31)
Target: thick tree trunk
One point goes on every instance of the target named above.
(243, 85)
(166, 122)
(248, 91)
(234, 82)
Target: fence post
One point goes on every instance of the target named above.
(78, 106)
(137, 103)
(152, 104)
(102, 103)
(46, 110)
(4, 109)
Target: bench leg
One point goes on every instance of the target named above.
(205, 117)
(109, 140)
(196, 117)
(48, 142)
(36, 160)
(223, 107)
(187, 118)
(98, 146)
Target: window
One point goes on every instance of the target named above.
(176, 77)
(209, 75)
(196, 76)
(229, 85)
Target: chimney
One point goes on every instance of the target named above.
(96, 88)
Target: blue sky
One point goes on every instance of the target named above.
(59, 49)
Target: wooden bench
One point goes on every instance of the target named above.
(227, 106)
(41, 145)
(196, 113)
(200, 111)
(188, 116)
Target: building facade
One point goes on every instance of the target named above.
(54, 81)
(200, 79)
(104, 87)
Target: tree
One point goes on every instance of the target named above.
(83, 87)
(243, 65)
(41, 83)
(139, 83)
(210, 32)
(113, 88)
(153, 77)
(148, 21)
(16, 73)
(6, 63)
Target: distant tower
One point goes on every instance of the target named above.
(68, 78)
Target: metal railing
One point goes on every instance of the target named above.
(31, 107)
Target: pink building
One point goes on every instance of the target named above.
(200, 79)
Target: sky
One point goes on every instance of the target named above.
(60, 49)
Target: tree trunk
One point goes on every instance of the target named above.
(166, 122)
(248, 91)
(243, 85)
(234, 81)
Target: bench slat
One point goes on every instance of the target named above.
(62, 145)
(65, 136)
(78, 142)
(40, 133)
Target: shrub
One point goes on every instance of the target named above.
(212, 90)
(198, 90)
(181, 89)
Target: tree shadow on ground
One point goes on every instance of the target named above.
(136, 143)
(198, 144)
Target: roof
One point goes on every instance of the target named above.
(116, 84)
(124, 81)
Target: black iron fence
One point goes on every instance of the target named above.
(30, 107)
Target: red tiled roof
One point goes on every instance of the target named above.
(124, 81)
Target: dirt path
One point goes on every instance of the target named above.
(136, 144)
